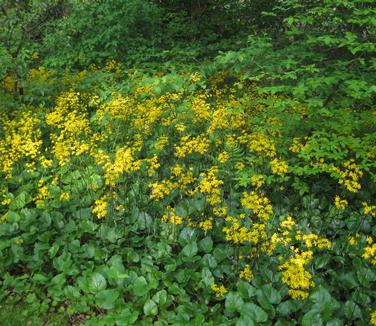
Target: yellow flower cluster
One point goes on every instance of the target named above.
(38, 75)
(279, 167)
(6, 201)
(43, 194)
(313, 240)
(119, 108)
(259, 143)
(189, 145)
(113, 66)
(259, 205)
(239, 234)
(9, 83)
(124, 162)
(246, 273)
(207, 224)
(369, 209)
(220, 211)
(295, 276)
(153, 165)
(181, 179)
(23, 140)
(370, 253)
(223, 157)
(148, 113)
(72, 126)
(219, 120)
(161, 143)
(172, 217)
(341, 204)
(65, 196)
(373, 318)
(296, 146)
(289, 233)
(160, 190)
(210, 186)
(200, 108)
(219, 290)
(100, 208)
(196, 77)
(288, 223)
(257, 181)
(350, 176)
(353, 241)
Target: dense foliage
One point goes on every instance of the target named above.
(188, 162)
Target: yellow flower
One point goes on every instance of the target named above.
(279, 167)
(160, 190)
(172, 217)
(196, 77)
(295, 276)
(6, 201)
(65, 196)
(369, 210)
(257, 204)
(207, 224)
(200, 108)
(296, 146)
(373, 318)
(210, 186)
(370, 253)
(43, 194)
(189, 145)
(341, 204)
(175, 219)
(246, 273)
(161, 143)
(257, 181)
(223, 157)
(220, 211)
(352, 241)
(350, 176)
(288, 223)
(180, 127)
(239, 166)
(219, 290)
(100, 208)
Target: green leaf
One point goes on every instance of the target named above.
(322, 260)
(97, 282)
(245, 289)
(365, 276)
(250, 311)
(160, 297)
(190, 249)
(324, 302)
(233, 302)
(206, 244)
(348, 280)
(106, 298)
(286, 308)
(21, 201)
(244, 321)
(150, 308)
(312, 318)
(320, 295)
(334, 322)
(53, 250)
(207, 276)
(269, 294)
(140, 286)
(352, 310)
(40, 278)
